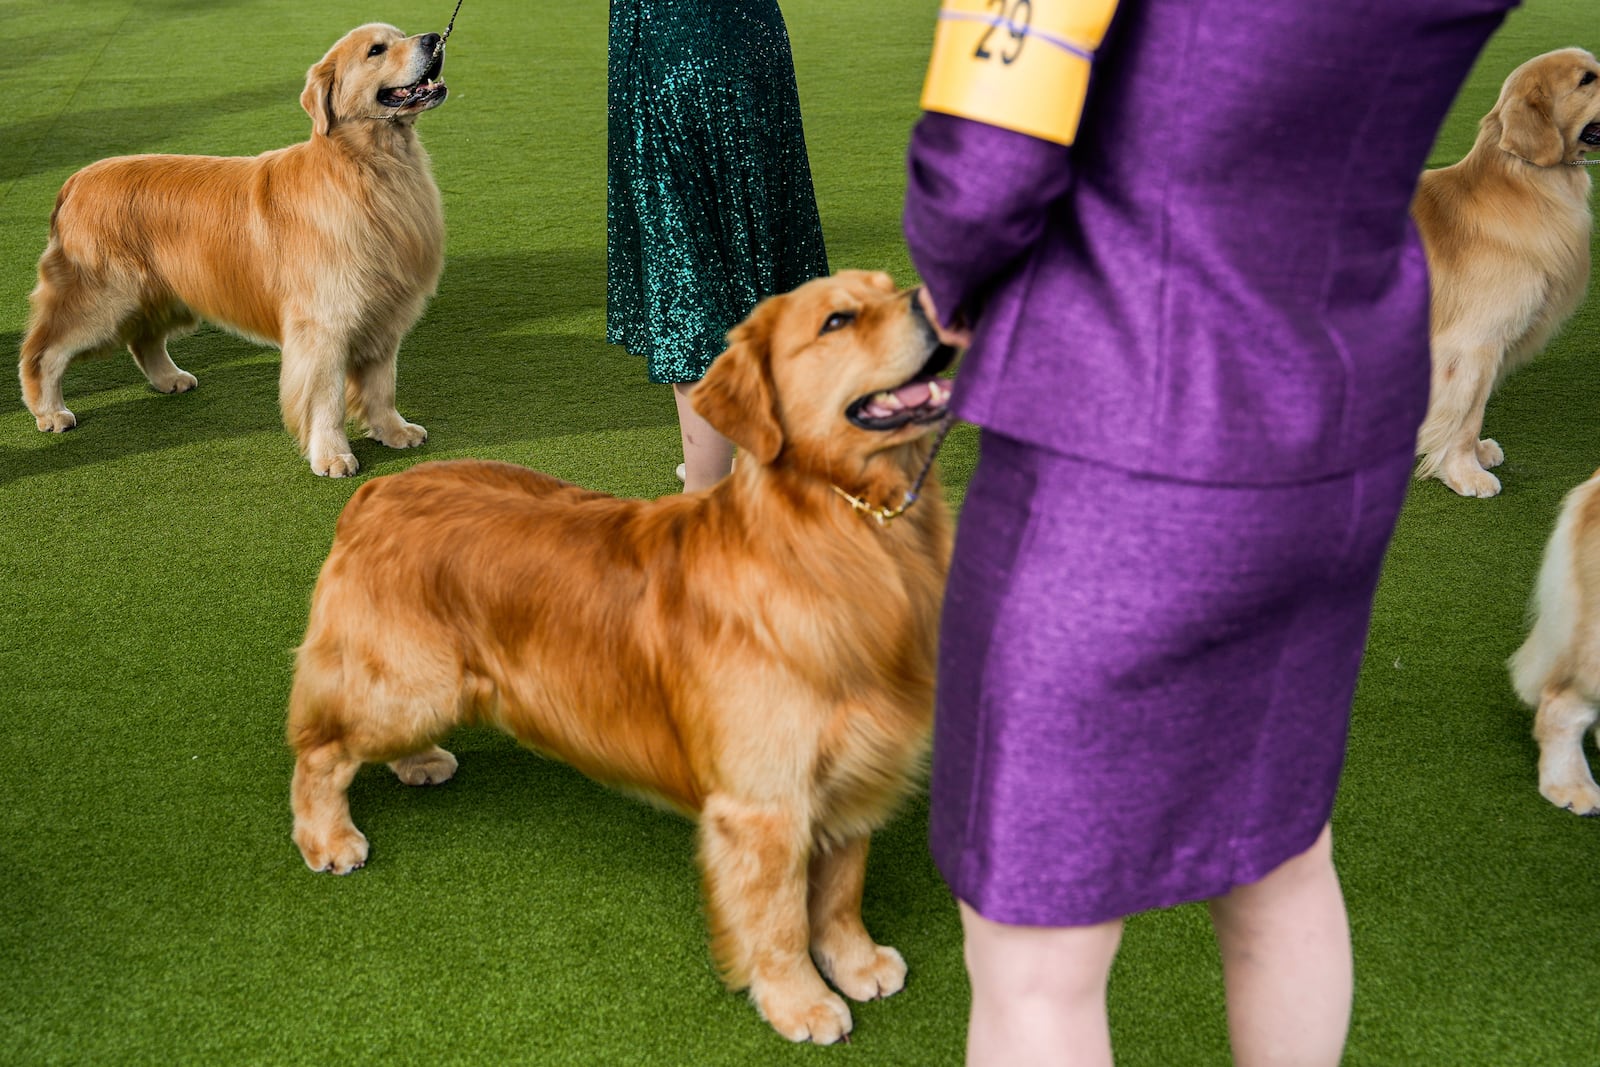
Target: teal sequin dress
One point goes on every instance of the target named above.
(710, 206)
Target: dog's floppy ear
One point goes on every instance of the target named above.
(317, 98)
(736, 395)
(1528, 127)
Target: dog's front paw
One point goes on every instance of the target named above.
(878, 972)
(401, 434)
(1490, 454)
(1469, 479)
(821, 1018)
(1580, 798)
(338, 851)
(425, 768)
(56, 421)
(335, 464)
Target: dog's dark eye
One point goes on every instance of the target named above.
(1588, 76)
(837, 321)
(377, 50)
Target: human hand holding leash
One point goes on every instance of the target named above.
(958, 336)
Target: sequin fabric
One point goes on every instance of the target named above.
(710, 205)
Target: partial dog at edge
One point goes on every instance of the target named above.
(1557, 669)
(1507, 234)
(327, 249)
(759, 655)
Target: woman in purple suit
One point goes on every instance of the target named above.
(1198, 324)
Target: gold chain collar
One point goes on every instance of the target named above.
(886, 515)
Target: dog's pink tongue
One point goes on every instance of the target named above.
(913, 395)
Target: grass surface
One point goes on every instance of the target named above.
(155, 565)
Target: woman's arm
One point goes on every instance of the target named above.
(977, 198)
(1004, 96)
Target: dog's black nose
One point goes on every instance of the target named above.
(429, 41)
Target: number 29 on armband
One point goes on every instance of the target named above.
(1019, 64)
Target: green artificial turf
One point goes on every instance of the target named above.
(155, 566)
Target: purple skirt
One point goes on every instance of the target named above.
(1144, 684)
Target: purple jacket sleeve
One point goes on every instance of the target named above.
(977, 198)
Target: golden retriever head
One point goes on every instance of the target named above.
(374, 73)
(1549, 108)
(830, 376)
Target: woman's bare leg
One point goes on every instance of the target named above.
(1038, 993)
(707, 455)
(1286, 963)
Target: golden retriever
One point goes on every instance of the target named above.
(1507, 237)
(759, 655)
(327, 249)
(1557, 669)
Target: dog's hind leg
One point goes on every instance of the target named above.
(430, 767)
(67, 320)
(371, 396)
(355, 700)
(311, 392)
(857, 966)
(1448, 441)
(41, 368)
(454, 698)
(319, 795)
(754, 860)
(1565, 780)
(149, 350)
(325, 764)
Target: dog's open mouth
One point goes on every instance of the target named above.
(427, 91)
(923, 399)
(1591, 135)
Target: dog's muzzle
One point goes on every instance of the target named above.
(427, 91)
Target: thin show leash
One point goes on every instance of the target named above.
(439, 48)
(886, 515)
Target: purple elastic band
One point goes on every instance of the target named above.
(1027, 31)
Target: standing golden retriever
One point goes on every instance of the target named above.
(327, 249)
(759, 654)
(1557, 669)
(1507, 237)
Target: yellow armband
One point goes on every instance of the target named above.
(1019, 64)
